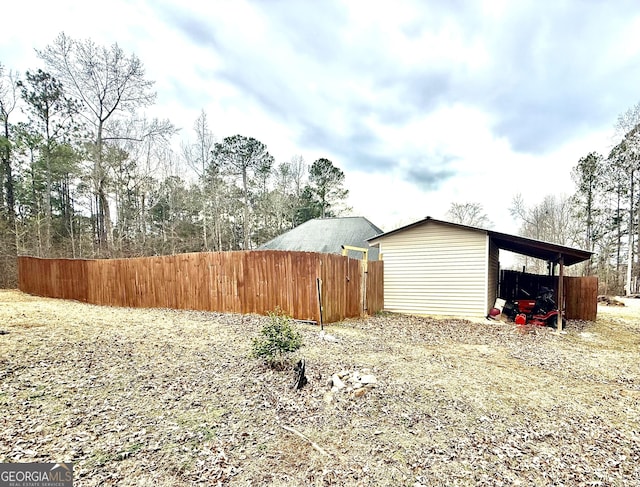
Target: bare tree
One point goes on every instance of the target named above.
(109, 83)
(298, 170)
(197, 156)
(627, 121)
(550, 221)
(471, 214)
(290, 181)
(137, 156)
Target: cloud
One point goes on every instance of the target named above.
(434, 95)
(430, 171)
(550, 63)
(310, 29)
(199, 29)
(428, 179)
(355, 149)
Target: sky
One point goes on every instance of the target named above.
(421, 103)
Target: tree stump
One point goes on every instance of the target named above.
(301, 379)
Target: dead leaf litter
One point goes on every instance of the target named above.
(166, 397)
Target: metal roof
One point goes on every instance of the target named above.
(521, 245)
(328, 235)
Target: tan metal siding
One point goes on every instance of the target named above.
(436, 269)
(493, 274)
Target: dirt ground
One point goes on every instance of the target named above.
(160, 397)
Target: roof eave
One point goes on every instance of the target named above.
(514, 243)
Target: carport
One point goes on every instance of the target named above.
(557, 257)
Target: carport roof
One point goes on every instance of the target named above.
(521, 245)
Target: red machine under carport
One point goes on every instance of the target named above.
(541, 311)
(555, 255)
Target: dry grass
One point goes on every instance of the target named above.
(161, 397)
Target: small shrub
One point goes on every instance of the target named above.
(277, 341)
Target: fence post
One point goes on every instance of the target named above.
(560, 294)
(363, 288)
(319, 288)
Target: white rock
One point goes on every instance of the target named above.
(368, 379)
(327, 338)
(337, 382)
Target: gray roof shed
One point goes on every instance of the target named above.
(328, 235)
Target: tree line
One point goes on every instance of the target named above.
(86, 174)
(607, 202)
(602, 215)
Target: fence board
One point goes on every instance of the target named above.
(241, 282)
(375, 287)
(55, 278)
(581, 297)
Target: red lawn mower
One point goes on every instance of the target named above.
(539, 312)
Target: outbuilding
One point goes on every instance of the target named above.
(338, 235)
(435, 267)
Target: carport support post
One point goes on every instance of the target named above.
(560, 291)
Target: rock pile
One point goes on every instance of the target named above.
(351, 382)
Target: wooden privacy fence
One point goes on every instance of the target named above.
(580, 293)
(581, 297)
(237, 282)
